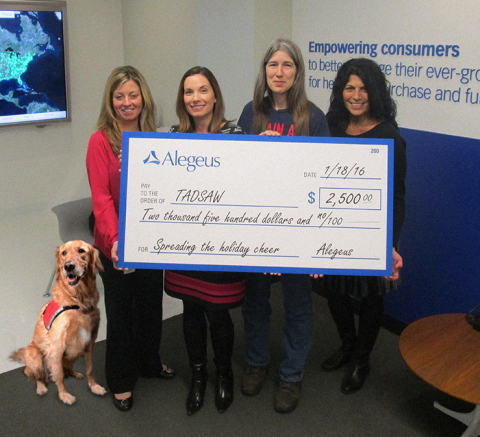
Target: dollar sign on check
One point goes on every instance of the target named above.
(311, 196)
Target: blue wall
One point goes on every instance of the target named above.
(440, 241)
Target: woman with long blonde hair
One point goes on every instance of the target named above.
(133, 301)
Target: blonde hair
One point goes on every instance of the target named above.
(108, 121)
(297, 102)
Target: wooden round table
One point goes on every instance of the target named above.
(444, 350)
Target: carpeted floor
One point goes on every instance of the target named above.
(393, 402)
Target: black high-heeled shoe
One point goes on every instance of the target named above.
(167, 372)
(355, 378)
(123, 404)
(337, 360)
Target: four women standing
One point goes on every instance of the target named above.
(360, 107)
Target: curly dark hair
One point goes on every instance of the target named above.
(382, 106)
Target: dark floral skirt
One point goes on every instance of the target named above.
(355, 286)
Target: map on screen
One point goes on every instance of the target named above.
(32, 73)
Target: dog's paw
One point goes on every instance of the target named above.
(67, 398)
(41, 390)
(98, 389)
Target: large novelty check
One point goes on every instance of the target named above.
(256, 203)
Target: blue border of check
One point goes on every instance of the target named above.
(241, 268)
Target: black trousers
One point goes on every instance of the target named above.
(133, 304)
(195, 332)
(370, 320)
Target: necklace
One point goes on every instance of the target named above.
(355, 126)
(363, 127)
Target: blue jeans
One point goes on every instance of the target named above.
(297, 328)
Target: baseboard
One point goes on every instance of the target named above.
(393, 325)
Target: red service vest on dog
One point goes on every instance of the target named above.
(53, 310)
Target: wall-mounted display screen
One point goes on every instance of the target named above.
(34, 86)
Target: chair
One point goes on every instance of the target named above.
(73, 224)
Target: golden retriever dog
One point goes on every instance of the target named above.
(67, 327)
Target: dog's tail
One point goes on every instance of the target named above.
(18, 355)
(31, 357)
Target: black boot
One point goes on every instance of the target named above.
(224, 389)
(222, 334)
(344, 318)
(369, 324)
(195, 333)
(197, 389)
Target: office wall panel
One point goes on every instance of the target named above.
(430, 54)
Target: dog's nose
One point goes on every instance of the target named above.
(69, 266)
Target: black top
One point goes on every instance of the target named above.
(387, 130)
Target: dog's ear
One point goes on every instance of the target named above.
(59, 263)
(98, 263)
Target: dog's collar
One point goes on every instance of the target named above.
(53, 310)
